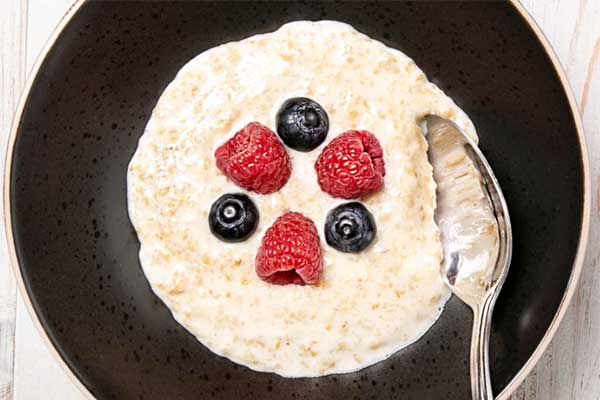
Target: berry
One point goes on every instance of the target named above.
(290, 252)
(350, 228)
(255, 159)
(351, 165)
(302, 123)
(233, 217)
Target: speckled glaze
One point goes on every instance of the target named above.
(88, 108)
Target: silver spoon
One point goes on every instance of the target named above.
(475, 231)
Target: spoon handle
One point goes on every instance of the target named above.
(481, 385)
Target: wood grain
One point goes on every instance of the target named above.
(569, 369)
(591, 68)
(13, 31)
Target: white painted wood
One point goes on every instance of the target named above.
(570, 368)
(13, 32)
(43, 17)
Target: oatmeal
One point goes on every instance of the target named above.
(365, 305)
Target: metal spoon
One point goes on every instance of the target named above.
(475, 231)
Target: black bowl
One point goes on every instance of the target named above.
(87, 106)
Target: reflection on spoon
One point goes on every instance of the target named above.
(475, 231)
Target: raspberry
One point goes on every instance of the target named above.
(351, 165)
(290, 252)
(255, 159)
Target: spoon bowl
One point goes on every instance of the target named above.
(475, 231)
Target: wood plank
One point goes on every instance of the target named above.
(13, 31)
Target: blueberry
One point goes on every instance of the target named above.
(233, 217)
(302, 123)
(350, 228)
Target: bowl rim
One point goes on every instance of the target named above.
(514, 383)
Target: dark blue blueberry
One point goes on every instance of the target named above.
(233, 217)
(350, 228)
(302, 124)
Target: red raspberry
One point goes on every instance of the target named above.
(255, 159)
(351, 165)
(290, 252)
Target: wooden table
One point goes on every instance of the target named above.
(570, 368)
